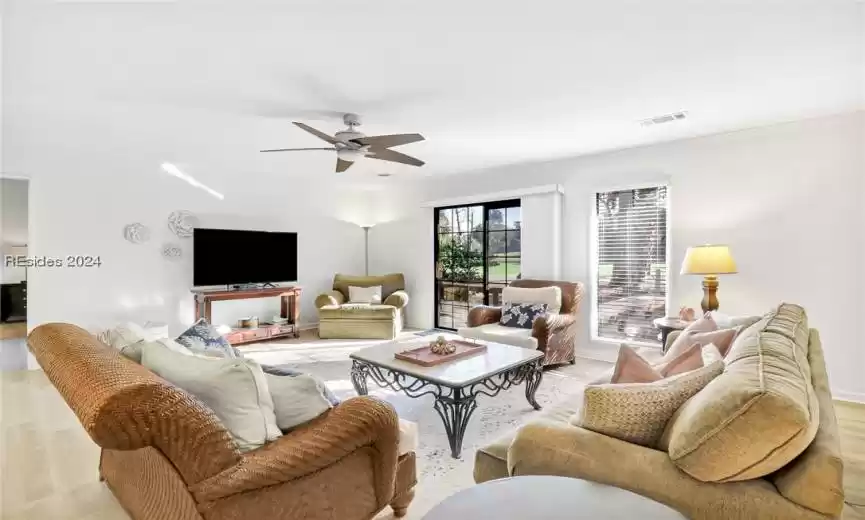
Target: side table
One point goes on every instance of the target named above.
(666, 326)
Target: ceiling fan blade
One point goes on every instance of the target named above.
(342, 166)
(386, 154)
(321, 135)
(387, 141)
(296, 149)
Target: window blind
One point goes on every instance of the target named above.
(632, 270)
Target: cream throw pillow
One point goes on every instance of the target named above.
(370, 295)
(408, 437)
(134, 350)
(129, 338)
(296, 400)
(123, 335)
(638, 412)
(235, 389)
(551, 295)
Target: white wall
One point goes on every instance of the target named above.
(786, 198)
(85, 214)
(541, 236)
(13, 226)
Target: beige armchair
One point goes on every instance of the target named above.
(338, 318)
(553, 334)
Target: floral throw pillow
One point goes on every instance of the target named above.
(521, 315)
(203, 338)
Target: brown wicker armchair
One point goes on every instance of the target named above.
(554, 334)
(166, 456)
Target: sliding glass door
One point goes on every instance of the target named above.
(477, 253)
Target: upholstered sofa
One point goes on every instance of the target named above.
(553, 334)
(165, 455)
(775, 455)
(338, 318)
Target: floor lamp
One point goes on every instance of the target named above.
(366, 249)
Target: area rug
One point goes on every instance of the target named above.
(439, 475)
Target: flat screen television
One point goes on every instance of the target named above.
(232, 257)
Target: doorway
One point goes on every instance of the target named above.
(477, 253)
(14, 201)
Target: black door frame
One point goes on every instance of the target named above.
(487, 206)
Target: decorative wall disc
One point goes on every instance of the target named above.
(181, 223)
(137, 233)
(172, 251)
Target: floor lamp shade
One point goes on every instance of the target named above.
(709, 261)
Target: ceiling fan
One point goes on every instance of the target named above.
(351, 145)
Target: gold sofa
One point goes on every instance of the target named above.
(165, 455)
(342, 320)
(780, 357)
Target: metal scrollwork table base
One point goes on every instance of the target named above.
(456, 387)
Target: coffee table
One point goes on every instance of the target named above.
(549, 498)
(455, 384)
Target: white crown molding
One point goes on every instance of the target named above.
(498, 195)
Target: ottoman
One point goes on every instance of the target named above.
(549, 498)
(358, 321)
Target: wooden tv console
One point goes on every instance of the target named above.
(289, 309)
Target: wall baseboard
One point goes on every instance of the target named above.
(851, 397)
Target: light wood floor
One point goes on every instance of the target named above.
(13, 330)
(48, 464)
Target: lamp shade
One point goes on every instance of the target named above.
(708, 260)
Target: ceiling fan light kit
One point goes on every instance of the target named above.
(351, 145)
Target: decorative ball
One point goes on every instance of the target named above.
(687, 314)
(181, 223)
(442, 347)
(137, 233)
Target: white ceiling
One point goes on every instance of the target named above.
(206, 84)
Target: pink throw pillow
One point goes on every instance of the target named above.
(696, 356)
(690, 359)
(705, 324)
(632, 368)
(723, 339)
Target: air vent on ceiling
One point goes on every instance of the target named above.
(666, 118)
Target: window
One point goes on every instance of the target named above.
(477, 253)
(630, 251)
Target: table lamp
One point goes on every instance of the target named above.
(709, 261)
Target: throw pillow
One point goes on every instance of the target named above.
(722, 339)
(203, 338)
(286, 371)
(133, 351)
(235, 389)
(705, 324)
(757, 416)
(632, 368)
(370, 295)
(122, 335)
(408, 437)
(129, 337)
(696, 356)
(639, 412)
(296, 400)
(725, 321)
(552, 296)
(521, 315)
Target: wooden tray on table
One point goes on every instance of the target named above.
(423, 356)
